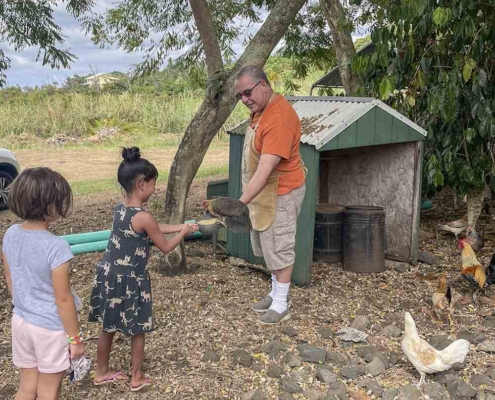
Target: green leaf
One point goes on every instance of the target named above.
(471, 63)
(385, 89)
(441, 16)
(438, 178)
(374, 58)
(466, 72)
(411, 100)
(482, 78)
(469, 134)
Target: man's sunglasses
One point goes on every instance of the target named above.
(247, 92)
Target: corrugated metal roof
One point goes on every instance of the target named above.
(333, 79)
(323, 118)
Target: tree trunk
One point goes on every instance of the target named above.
(344, 46)
(217, 106)
(475, 200)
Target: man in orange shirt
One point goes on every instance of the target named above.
(273, 179)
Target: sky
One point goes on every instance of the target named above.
(26, 71)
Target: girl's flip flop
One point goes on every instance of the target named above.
(111, 379)
(146, 382)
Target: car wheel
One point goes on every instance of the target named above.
(5, 180)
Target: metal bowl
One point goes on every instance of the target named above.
(208, 229)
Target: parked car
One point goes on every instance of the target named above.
(9, 169)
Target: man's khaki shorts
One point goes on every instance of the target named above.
(277, 244)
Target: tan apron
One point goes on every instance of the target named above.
(262, 207)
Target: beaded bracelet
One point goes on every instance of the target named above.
(75, 339)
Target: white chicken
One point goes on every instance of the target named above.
(425, 358)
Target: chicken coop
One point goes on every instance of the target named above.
(358, 151)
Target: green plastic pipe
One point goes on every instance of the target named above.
(98, 241)
(89, 247)
(88, 237)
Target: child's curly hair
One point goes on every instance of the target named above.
(38, 193)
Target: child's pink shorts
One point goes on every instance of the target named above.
(35, 347)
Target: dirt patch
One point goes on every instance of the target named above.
(208, 309)
(94, 164)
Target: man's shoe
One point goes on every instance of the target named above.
(262, 305)
(271, 317)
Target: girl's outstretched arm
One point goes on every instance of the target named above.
(144, 221)
(164, 228)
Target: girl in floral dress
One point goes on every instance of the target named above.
(121, 292)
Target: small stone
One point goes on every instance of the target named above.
(370, 385)
(326, 375)
(489, 322)
(361, 323)
(274, 371)
(392, 331)
(336, 391)
(390, 394)
(485, 395)
(273, 348)
(352, 371)
(336, 359)
(292, 360)
(312, 394)
(394, 358)
(257, 367)
(375, 367)
(444, 377)
(435, 391)
(285, 396)
(210, 356)
(472, 337)
(377, 328)
(349, 334)
(241, 357)
(459, 366)
(367, 353)
(326, 333)
(311, 353)
(255, 394)
(409, 392)
(289, 385)
(440, 342)
(460, 390)
(302, 375)
(490, 371)
(427, 258)
(289, 331)
(488, 346)
(401, 268)
(479, 380)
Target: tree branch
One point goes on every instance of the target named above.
(265, 40)
(206, 30)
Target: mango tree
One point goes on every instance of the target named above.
(200, 30)
(434, 62)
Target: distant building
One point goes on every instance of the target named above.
(99, 79)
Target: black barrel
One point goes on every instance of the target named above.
(327, 245)
(364, 239)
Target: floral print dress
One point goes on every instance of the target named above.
(121, 290)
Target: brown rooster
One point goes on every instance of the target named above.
(443, 299)
(233, 214)
(476, 274)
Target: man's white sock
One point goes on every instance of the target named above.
(280, 301)
(274, 286)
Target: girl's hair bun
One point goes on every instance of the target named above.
(131, 153)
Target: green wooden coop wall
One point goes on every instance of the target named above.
(239, 245)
